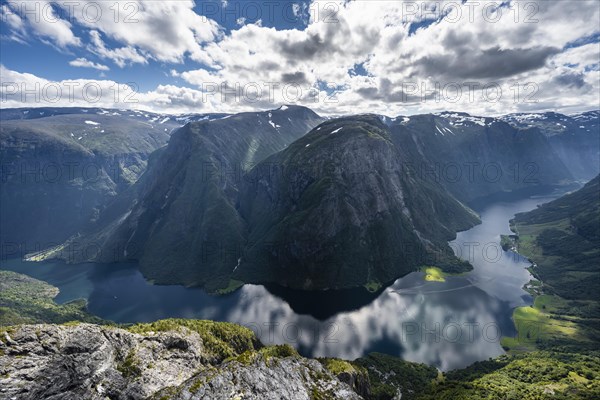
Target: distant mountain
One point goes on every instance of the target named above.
(475, 157)
(58, 172)
(575, 138)
(8, 114)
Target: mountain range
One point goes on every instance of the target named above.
(281, 196)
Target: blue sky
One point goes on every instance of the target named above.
(391, 57)
(55, 65)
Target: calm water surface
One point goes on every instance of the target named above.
(446, 324)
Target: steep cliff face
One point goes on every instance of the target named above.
(338, 209)
(59, 171)
(475, 157)
(344, 213)
(180, 220)
(574, 138)
(167, 359)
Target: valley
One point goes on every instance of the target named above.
(271, 205)
(414, 271)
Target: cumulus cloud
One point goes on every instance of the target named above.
(18, 89)
(85, 63)
(392, 57)
(120, 56)
(166, 31)
(40, 19)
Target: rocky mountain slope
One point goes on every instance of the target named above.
(574, 138)
(337, 209)
(475, 157)
(58, 172)
(180, 220)
(349, 214)
(167, 359)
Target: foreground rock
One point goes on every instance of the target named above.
(166, 359)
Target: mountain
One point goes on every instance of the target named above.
(336, 209)
(58, 172)
(180, 219)
(62, 166)
(574, 138)
(169, 120)
(476, 157)
(205, 214)
(359, 200)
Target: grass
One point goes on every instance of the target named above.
(337, 366)
(535, 325)
(372, 286)
(129, 368)
(221, 339)
(434, 274)
(528, 376)
(232, 287)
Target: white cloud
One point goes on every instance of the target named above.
(475, 44)
(85, 63)
(120, 56)
(165, 31)
(40, 19)
(490, 49)
(27, 90)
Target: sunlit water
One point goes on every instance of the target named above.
(445, 324)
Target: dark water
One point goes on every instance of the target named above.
(446, 324)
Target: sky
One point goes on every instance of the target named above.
(336, 57)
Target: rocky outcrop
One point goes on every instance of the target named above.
(166, 359)
(264, 378)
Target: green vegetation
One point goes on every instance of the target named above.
(337, 366)
(562, 239)
(531, 376)
(507, 242)
(534, 325)
(388, 375)
(25, 300)
(268, 352)
(279, 351)
(232, 287)
(434, 274)
(373, 286)
(129, 368)
(221, 339)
